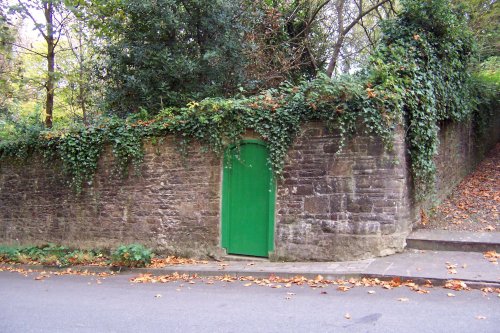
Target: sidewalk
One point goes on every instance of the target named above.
(418, 265)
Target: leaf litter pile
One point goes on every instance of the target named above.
(319, 282)
(474, 205)
(43, 274)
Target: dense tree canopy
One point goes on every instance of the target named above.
(121, 57)
(167, 52)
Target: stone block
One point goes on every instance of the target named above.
(317, 205)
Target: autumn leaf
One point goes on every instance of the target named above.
(395, 282)
(456, 285)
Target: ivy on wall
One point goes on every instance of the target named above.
(417, 77)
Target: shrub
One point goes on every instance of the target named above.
(8, 253)
(133, 255)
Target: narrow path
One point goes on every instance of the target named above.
(475, 203)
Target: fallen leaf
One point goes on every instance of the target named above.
(403, 299)
(395, 282)
(343, 288)
(480, 317)
(371, 292)
(247, 284)
(347, 316)
(456, 285)
(450, 295)
(319, 278)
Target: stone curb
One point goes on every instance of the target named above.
(436, 281)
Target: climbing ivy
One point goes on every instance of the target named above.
(425, 55)
(417, 76)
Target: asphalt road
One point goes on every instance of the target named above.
(80, 304)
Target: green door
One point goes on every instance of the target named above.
(248, 201)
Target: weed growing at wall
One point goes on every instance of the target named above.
(417, 77)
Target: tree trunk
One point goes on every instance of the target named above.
(340, 40)
(81, 78)
(343, 31)
(49, 86)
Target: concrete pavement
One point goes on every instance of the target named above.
(82, 304)
(418, 265)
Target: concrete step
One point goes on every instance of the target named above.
(239, 257)
(444, 240)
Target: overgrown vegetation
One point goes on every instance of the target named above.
(418, 75)
(51, 255)
(132, 255)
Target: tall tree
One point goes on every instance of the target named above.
(7, 36)
(298, 38)
(483, 18)
(158, 53)
(55, 17)
(349, 15)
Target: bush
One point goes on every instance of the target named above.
(50, 254)
(133, 255)
(9, 253)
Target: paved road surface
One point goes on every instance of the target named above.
(79, 304)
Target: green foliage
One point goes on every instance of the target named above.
(9, 254)
(177, 54)
(133, 255)
(425, 53)
(49, 254)
(418, 76)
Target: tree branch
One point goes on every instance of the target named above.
(343, 32)
(27, 49)
(37, 25)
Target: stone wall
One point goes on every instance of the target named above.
(172, 206)
(329, 206)
(459, 152)
(340, 206)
